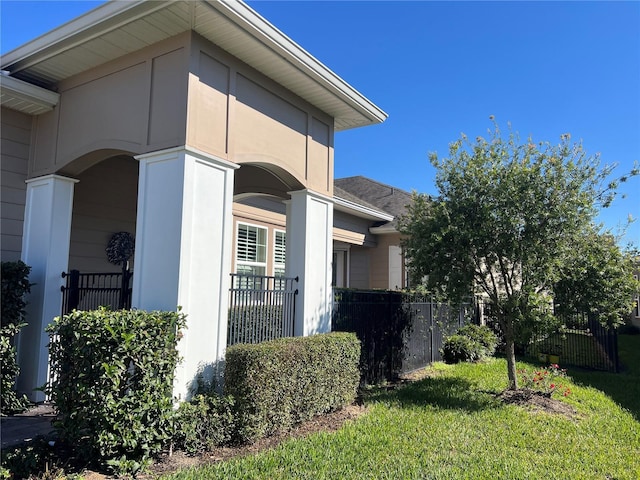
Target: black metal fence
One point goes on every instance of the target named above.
(261, 308)
(581, 341)
(88, 291)
(399, 332)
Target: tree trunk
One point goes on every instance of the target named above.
(511, 359)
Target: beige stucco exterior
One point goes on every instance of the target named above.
(185, 91)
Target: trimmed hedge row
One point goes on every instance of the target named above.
(283, 382)
(113, 381)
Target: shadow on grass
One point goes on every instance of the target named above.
(624, 387)
(441, 392)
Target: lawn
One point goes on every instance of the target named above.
(451, 426)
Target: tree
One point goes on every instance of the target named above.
(504, 226)
(597, 279)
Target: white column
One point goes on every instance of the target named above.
(45, 248)
(309, 256)
(183, 251)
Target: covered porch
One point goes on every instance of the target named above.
(152, 137)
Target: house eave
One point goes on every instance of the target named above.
(253, 40)
(383, 229)
(25, 97)
(360, 211)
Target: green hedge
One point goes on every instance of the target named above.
(15, 284)
(280, 383)
(113, 382)
(204, 422)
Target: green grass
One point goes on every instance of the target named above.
(450, 426)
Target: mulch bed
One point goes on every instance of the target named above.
(537, 401)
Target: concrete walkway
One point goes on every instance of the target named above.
(24, 427)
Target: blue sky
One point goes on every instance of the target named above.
(442, 68)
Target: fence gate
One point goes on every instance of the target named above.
(261, 308)
(88, 291)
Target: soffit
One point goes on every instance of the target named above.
(26, 98)
(119, 28)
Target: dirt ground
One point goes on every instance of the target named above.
(537, 401)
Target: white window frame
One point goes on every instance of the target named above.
(256, 263)
(279, 268)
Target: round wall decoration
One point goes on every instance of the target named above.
(120, 248)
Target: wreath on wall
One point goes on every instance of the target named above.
(120, 248)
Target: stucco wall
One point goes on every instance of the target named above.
(104, 203)
(240, 115)
(135, 104)
(15, 132)
(184, 91)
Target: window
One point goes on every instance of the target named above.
(251, 250)
(279, 253)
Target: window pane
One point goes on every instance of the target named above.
(280, 249)
(251, 244)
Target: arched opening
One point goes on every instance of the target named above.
(262, 297)
(104, 207)
(104, 203)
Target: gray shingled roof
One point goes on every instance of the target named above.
(341, 193)
(387, 198)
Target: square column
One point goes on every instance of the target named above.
(45, 248)
(309, 256)
(183, 252)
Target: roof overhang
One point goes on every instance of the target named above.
(118, 28)
(25, 97)
(385, 229)
(360, 211)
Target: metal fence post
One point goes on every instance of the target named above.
(72, 293)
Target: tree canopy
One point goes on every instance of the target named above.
(507, 224)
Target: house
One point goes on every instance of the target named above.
(189, 124)
(385, 264)
(366, 242)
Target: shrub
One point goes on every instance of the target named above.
(280, 383)
(482, 335)
(204, 422)
(15, 284)
(29, 460)
(113, 381)
(460, 348)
